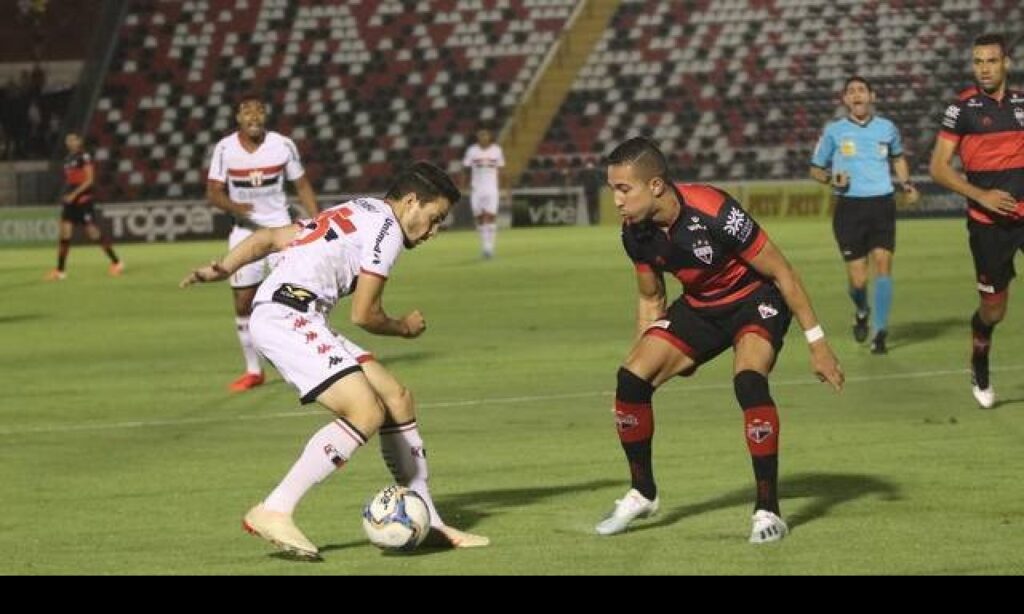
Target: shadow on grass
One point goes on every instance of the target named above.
(825, 491)
(20, 317)
(404, 357)
(909, 333)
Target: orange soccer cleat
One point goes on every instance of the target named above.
(116, 269)
(55, 275)
(246, 381)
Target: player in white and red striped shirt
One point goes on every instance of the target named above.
(246, 180)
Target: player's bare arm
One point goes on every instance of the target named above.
(943, 172)
(85, 185)
(261, 243)
(218, 197)
(650, 304)
(772, 264)
(307, 196)
(368, 311)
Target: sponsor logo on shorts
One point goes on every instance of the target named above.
(323, 348)
(333, 361)
(986, 288)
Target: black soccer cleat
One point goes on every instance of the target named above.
(878, 343)
(860, 326)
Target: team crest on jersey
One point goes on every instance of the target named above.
(256, 177)
(704, 252)
(767, 311)
(1019, 114)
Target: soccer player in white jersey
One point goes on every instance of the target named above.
(321, 262)
(484, 159)
(246, 180)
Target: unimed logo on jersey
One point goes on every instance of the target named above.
(388, 223)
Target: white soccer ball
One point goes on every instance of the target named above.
(396, 518)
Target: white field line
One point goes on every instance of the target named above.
(133, 424)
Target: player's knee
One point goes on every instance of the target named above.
(993, 312)
(752, 389)
(631, 388)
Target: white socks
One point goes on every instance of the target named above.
(252, 357)
(406, 458)
(488, 237)
(328, 449)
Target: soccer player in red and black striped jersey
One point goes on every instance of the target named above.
(986, 128)
(739, 292)
(79, 207)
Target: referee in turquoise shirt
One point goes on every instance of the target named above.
(854, 155)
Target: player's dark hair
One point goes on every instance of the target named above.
(426, 181)
(858, 79)
(992, 38)
(249, 97)
(643, 154)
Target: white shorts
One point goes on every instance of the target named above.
(303, 348)
(253, 273)
(484, 202)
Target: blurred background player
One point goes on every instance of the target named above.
(246, 180)
(739, 292)
(986, 128)
(357, 241)
(854, 155)
(79, 208)
(484, 159)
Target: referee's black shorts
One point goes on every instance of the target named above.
(861, 224)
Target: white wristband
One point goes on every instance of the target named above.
(814, 334)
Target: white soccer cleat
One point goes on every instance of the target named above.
(627, 509)
(986, 398)
(459, 539)
(768, 527)
(279, 529)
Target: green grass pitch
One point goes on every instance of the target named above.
(121, 451)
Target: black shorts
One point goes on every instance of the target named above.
(863, 224)
(79, 214)
(993, 247)
(705, 333)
